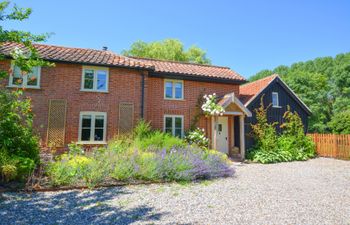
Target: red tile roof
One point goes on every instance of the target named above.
(248, 91)
(108, 58)
(78, 55)
(184, 68)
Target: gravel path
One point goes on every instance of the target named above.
(312, 192)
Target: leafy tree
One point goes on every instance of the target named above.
(19, 148)
(323, 84)
(340, 123)
(29, 58)
(168, 49)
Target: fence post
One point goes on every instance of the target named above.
(335, 146)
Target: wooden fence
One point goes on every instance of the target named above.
(332, 145)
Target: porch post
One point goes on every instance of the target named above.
(215, 132)
(242, 139)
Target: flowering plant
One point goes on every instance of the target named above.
(210, 106)
(197, 137)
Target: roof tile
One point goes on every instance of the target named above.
(249, 90)
(108, 58)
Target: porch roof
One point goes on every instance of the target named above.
(230, 99)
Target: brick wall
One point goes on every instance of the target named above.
(64, 82)
(157, 106)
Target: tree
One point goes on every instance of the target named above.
(19, 147)
(28, 58)
(168, 49)
(323, 84)
(340, 123)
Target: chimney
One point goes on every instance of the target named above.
(104, 48)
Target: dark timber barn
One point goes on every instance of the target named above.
(275, 92)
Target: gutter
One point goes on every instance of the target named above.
(142, 95)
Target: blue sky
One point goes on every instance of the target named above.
(247, 36)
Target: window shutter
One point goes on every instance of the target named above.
(126, 118)
(56, 123)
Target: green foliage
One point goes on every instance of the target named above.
(142, 130)
(9, 172)
(340, 123)
(323, 84)
(158, 140)
(75, 149)
(16, 133)
(124, 168)
(19, 148)
(263, 132)
(168, 49)
(197, 137)
(291, 145)
(29, 58)
(18, 144)
(25, 166)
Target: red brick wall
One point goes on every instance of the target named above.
(157, 106)
(64, 82)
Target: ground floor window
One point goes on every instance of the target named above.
(173, 124)
(92, 128)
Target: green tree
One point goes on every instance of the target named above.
(168, 49)
(340, 123)
(25, 58)
(323, 84)
(19, 148)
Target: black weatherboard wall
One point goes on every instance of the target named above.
(286, 97)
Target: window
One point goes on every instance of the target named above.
(95, 79)
(92, 127)
(275, 102)
(29, 80)
(173, 124)
(173, 89)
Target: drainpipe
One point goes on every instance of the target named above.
(142, 94)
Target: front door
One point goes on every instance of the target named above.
(222, 134)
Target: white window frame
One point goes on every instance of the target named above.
(173, 82)
(95, 69)
(173, 123)
(278, 103)
(93, 115)
(25, 79)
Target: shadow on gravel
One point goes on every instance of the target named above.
(72, 207)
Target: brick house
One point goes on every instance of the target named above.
(90, 96)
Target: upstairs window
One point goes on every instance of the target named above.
(92, 127)
(173, 124)
(22, 79)
(173, 89)
(95, 79)
(275, 102)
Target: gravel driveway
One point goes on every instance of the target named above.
(312, 192)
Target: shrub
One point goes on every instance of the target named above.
(264, 133)
(25, 166)
(198, 138)
(75, 149)
(9, 172)
(124, 168)
(175, 165)
(340, 123)
(146, 166)
(292, 145)
(16, 133)
(67, 169)
(158, 140)
(142, 130)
